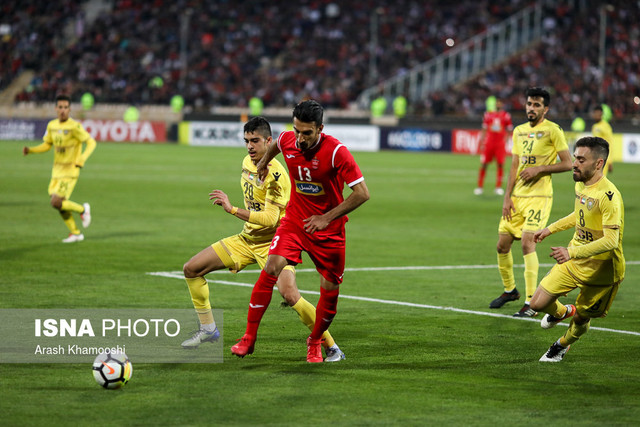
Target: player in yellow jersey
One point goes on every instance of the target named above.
(66, 136)
(593, 261)
(603, 129)
(529, 195)
(265, 204)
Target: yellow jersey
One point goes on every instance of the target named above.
(66, 138)
(275, 190)
(598, 206)
(604, 131)
(535, 146)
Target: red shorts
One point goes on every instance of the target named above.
(326, 250)
(493, 150)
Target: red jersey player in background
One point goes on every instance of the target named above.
(319, 167)
(495, 126)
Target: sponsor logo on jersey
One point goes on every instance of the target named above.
(276, 175)
(609, 195)
(309, 188)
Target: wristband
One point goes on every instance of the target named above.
(234, 210)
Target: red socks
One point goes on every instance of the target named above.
(259, 302)
(325, 311)
(481, 175)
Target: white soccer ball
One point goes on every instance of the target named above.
(112, 370)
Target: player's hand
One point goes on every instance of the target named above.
(508, 208)
(529, 174)
(540, 235)
(560, 254)
(262, 170)
(25, 151)
(315, 223)
(220, 198)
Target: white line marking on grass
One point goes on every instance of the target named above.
(179, 275)
(398, 268)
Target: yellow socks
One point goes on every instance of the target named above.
(574, 333)
(199, 290)
(307, 313)
(68, 205)
(531, 266)
(555, 309)
(505, 266)
(67, 217)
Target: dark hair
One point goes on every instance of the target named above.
(598, 108)
(309, 112)
(258, 124)
(538, 92)
(598, 146)
(63, 98)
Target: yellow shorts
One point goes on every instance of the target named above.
(62, 187)
(236, 252)
(592, 301)
(531, 215)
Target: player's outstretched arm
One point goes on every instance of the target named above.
(37, 149)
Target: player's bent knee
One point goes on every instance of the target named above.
(503, 249)
(56, 203)
(290, 298)
(580, 320)
(187, 270)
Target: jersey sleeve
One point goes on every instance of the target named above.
(485, 121)
(47, 142)
(611, 210)
(607, 242)
(562, 224)
(559, 139)
(47, 135)
(277, 186)
(347, 167)
(517, 147)
(280, 139)
(84, 137)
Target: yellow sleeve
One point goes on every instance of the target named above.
(562, 224)
(559, 139)
(44, 147)
(91, 145)
(269, 217)
(608, 242)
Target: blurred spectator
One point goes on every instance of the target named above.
(241, 49)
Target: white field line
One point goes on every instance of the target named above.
(179, 275)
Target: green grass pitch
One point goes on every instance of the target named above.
(420, 364)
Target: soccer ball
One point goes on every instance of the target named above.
(112, 370)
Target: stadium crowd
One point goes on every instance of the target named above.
(314, 48)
